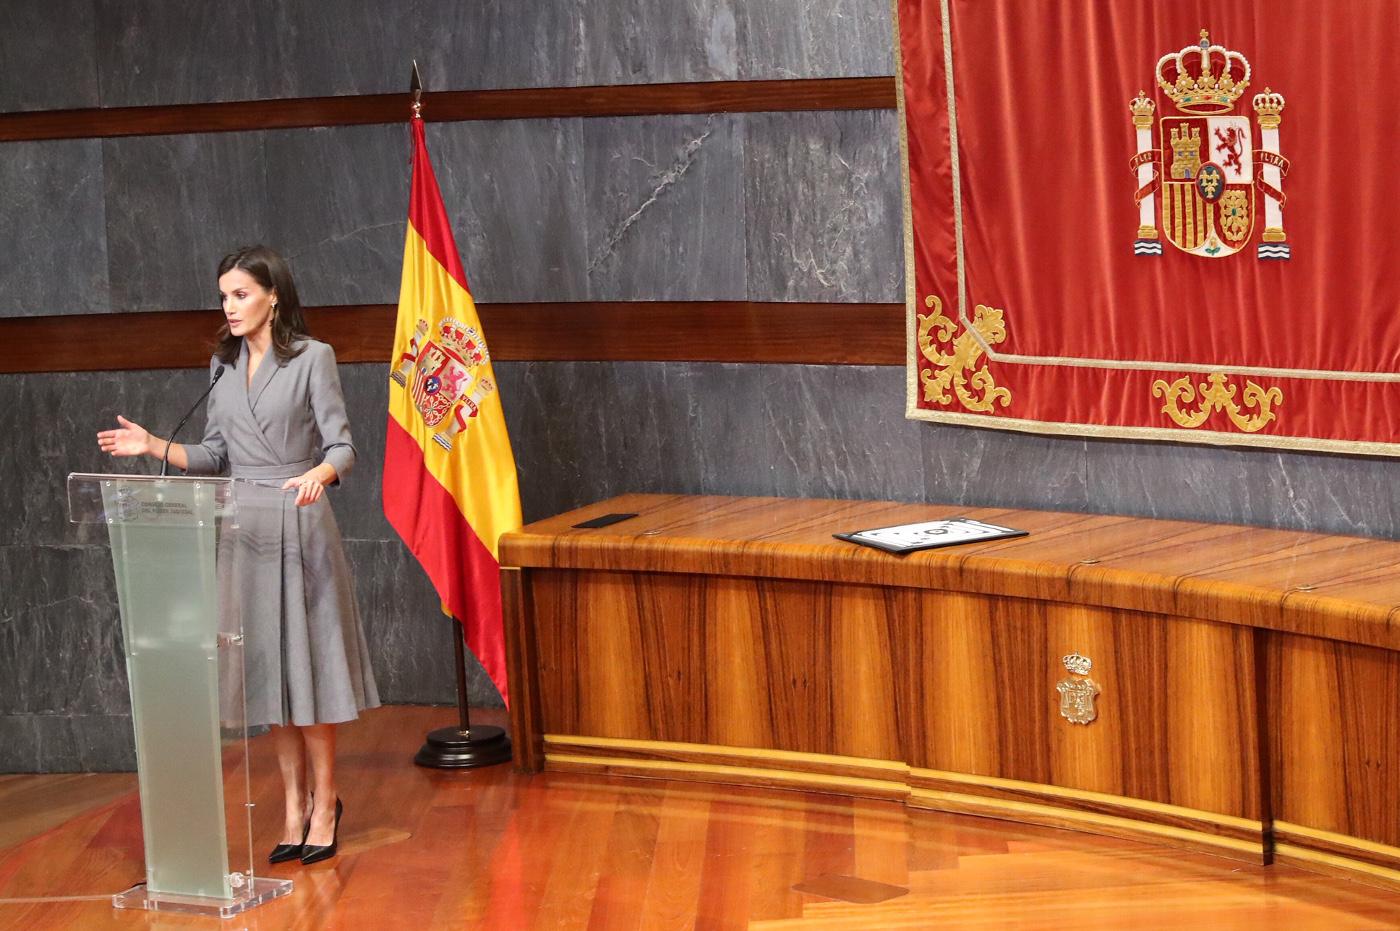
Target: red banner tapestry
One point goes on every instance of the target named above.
(1161, 220)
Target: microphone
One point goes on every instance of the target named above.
(165, 460)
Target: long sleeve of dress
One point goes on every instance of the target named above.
(328, 407)
(210, 455)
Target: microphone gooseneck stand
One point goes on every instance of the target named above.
(165, 460)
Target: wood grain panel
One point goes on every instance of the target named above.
(673, 647)
(951, 712)
(1309, 763)
(925, 782)
(662, 331)
(1118, 816)
(871, 93)
(1091, 756)
(1219, 709)
(1336, 738)
(1211, 712)
(555, 616)
(523, 669)
(1237, 575)
(613, 681)
(795, 624)
(737, 697)
(867, 641)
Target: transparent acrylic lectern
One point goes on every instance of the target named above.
(171, 538)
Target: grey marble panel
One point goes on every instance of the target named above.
(32, 76)
(37, 743)
(328, 47)
(501, 43)
(587, 431)
(584, 431)
(176, 205)
(665, 202)
(659, 41)
(556, 425)
(814, 38)
(51, 421)
(836, 434)
(997, 468)
(823, 206)
(1301, 491)
(52, 229)
(337, 203)
(174, 51)
(60, 634)
(514, 192)
(105, 743)
(410, 639)
(57, 743)
(19, 744)
(1329, 494)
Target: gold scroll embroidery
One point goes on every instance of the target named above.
(1181, 395)
(955, 370)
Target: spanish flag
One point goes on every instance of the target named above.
(449, 477)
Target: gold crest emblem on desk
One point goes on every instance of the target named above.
(1077, 691)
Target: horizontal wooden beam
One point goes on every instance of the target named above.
(452, 106)
(659, 331)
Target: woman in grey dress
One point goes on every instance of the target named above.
(276, 419)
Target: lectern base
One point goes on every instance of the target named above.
(260, 891)
(453, 748)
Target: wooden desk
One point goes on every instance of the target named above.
(1250, 684)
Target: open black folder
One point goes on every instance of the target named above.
(926, 535)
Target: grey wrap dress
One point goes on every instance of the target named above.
(283, 569)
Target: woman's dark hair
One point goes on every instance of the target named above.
(270, 270)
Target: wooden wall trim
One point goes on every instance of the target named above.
(658, 331)
(874, 93)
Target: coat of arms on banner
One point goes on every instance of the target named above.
(1197, 182)
(447, 381)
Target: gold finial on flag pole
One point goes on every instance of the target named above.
(416, 88)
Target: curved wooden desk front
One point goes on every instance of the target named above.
(1249, 682)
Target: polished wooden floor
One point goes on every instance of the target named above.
(491, 849)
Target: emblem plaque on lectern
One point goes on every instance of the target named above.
(1077, 691)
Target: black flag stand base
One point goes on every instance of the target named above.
(466, 746)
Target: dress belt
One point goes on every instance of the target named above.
(283, 471)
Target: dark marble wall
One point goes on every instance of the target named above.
(778, 207)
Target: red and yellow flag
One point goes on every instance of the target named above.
(449, 477)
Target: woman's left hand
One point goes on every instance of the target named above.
(309, 489)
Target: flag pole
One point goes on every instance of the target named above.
(464, 746)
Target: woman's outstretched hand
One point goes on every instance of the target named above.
(309, 488)
(129, 439)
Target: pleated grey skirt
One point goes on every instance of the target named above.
(284, 577)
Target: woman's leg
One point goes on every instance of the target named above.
(291, 759)
(320, 749)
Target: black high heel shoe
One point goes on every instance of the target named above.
(284, 852)
(315, 853)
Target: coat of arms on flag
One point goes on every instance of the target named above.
(1198, 179)
(449, 376)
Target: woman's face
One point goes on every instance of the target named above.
(247, 305)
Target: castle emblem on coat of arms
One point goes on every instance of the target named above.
(445, 376)
(1198, 179)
